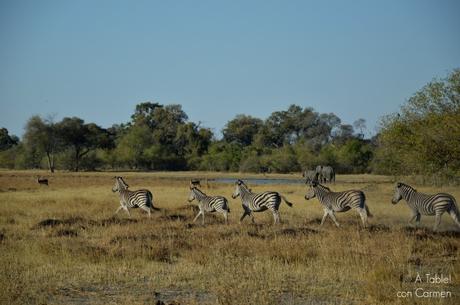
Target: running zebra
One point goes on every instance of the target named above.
(339, 202)
(132, 199)
(423, 204)
(208, 203)
(252, 202)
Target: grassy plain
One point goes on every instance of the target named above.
(62, 245)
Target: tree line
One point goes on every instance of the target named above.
(423, 137)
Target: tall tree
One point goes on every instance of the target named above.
(423, 137)
(7, 141)
(42, 136)
(242, 129)
(81, 137)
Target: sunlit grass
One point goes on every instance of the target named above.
(62, 245)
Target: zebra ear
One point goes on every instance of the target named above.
(399, 184)
(238, 182)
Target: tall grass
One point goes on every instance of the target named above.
(62, 245)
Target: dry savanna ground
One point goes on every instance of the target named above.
(62, 245)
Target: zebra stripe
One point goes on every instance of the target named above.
(253, 202)
(423, 204)
(209, 203)
(339, 202)
(132, 199)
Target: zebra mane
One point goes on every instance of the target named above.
(324, 187)
(400, 184)
(120, 180)
(198, 190)
(241, 183)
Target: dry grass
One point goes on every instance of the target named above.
(62, 245)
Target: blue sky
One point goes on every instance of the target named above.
(98, 59)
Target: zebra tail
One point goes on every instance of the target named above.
(369, 214)
(151, 202)
(455, 213)
(285, 200)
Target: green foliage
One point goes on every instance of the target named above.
(242, 129)
(423, 138)
(223, 157)
(81, 138)
(354, 156)
(7, 141)
(283, 160)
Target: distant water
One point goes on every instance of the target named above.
(260, 181)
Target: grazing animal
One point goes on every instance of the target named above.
(253, 202)
(339, 202)
(309, 175)
(325, 174)
(208, 203)
(328, 174)
(132, 199)
(423, 204)
(42, 181)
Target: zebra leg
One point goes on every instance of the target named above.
(437, 222)
(363, 214)
(197, 215)
(118, 210)
(226, 217)
(413, 218)
(417, 220)
(455, 216)
(127, 210)
(252, 218)
(244, 215)
(147, 209)
(202, 219)
(276, 217)
(324, 218)
(331, 214)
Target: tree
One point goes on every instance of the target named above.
(423, 137)
(242, 129)
(144, 114)
(133, 145)
(343, 134)
(82, 138)
(42, 137)
(7, 141)
(360, 124)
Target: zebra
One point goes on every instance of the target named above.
(208, 203)
(253, 202)
(423, 204)
(132, 199)
(339, 202)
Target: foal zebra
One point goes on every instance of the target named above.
(339, 202)
(252, 202)
(208, 203)
(132, 199)
(423, 204)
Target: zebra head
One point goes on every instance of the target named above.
(238, 185)
(398, 194)
(119, 185)
(192, 195)
(311, 190)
